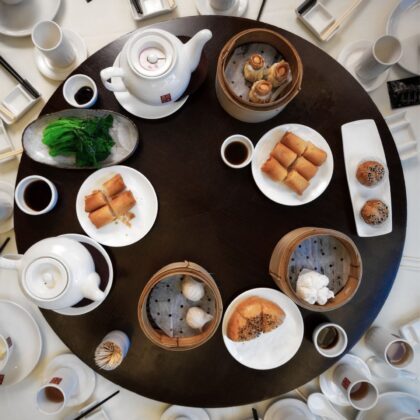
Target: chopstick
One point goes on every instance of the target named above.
(96, 406)
(11, 153)
(19, 78)
(4, 244)
(255, 414)
(137, 6)
(330, 29)
(261, 10)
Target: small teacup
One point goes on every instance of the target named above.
(237, 151)
(6, 349)
(73, 84)
(329, 346)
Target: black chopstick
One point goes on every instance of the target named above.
(261, 9)
(19, 78)
(4, 244)
(96, 405)
(137, 6)
(255, 414)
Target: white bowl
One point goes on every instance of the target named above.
(73, 84)
(241, 139)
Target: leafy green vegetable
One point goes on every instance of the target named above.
(88, 139)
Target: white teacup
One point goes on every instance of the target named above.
(6, 349)
(54, 395)
(359, 390)
(391, 348)
(222, 4)
(335, 348)
(384, 53)
(244, 143)
(53, 43)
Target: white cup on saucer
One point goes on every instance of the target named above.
(6, 349)
(54, 395)
(336, 346)
(222, 4)
(53, 43)
(359, 390)
(391, 348)
(384, 53)
(236, 151)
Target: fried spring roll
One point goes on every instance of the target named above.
(102, 216)
(113, 186)
(94, 201)
(122, 203)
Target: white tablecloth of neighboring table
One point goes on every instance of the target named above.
(100, 22)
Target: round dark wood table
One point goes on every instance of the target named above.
(216, 216)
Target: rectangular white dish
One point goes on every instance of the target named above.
(152, 8)
(361, 141)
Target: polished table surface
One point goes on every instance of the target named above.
(218, 218)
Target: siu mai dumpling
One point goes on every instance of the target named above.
(254, 68)
(279, 74)
(260, 92)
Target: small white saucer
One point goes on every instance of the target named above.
(349, 58)
(176, 411)
(8, 188)
(330, 389)
(19, 324)
(138, 108)
(86, 376)
(285, 406)
(88, 308)
(238, 8)
(60, 73)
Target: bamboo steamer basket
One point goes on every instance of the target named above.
(281, 264)
(156, 335)
(245, 110)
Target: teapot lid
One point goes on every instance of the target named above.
(151, 54)
(45, 278)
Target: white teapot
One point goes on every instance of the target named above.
(56, 273)
(155, 66)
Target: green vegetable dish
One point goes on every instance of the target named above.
(88, 139)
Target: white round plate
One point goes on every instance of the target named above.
(8, 188)
(86, 376)
(60, 73)
(278, 192)
(138, 108)
(238, 8)
(272, 349)
(88, 308)
(24, 331)
(277, 409)
(330, 389)
(403, 24)
(19, 19)
(349, 58)
(117, 234)
(176, 411)
(390, 401)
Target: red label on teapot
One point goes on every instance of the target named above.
(166, 98)
(345, 383)
(56, 381)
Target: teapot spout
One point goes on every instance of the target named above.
(194, 47)
(90, 288)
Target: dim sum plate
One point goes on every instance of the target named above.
(123, 131)
(118, 234)
(278, 192)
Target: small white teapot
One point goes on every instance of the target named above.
(56, 273)
(155, 66)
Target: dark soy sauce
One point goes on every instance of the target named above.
(327, 338)
(37, 195)
(236, 153)
(83, 95)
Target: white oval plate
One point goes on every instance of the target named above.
(269, 350)
(278, 192)
(117, 234)
(17, 322)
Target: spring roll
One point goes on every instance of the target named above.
(113, 186)
(102, 216)
(122, 203)
(94, 201)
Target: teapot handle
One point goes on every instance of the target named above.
(110, 72)
(10, 261)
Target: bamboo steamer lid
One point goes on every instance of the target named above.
(156, 335)
(315, 247)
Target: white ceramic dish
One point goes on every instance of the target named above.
(117, 234)
(60, 73)
(392, 401)
(22, 327)
(19, 19)
(9, 189)
(138, 108)
(278, 192)
(238, 8)
(403, 24)
(88, 308)
(18, 101)
(86, 376)
(330, 389)
(360, 140)
(349, 58)
(288, 408)
(152, 8)
(73, 84)
(272, 349)
(175, 412)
